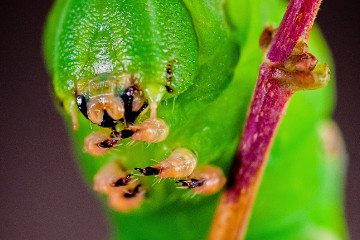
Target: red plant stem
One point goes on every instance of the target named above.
(297, 22)
(269, 102)
(268, 105)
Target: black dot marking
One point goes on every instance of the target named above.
(169, 70)
(126, 133)
(148, 171)
(169, 89)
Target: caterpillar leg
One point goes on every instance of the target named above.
(124, 193)
(105, 110)
(105, 180)
(181, 163)
(152, 130)
(101, 142)
(207, 179)
(127, 198)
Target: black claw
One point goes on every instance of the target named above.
(132, 193)
(148, 171)
(192, 183)
(122, 181)
(126, 133)
(109, 143)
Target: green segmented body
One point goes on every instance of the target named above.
(214, 56)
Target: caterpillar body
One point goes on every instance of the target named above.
(155, 93)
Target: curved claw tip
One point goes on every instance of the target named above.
(148, 171)
(192, 183)
(122, 181)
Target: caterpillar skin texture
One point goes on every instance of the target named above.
(187, 69)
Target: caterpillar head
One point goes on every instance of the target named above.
(108, 99)
(133, 59)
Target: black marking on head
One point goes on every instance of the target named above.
(126, 133)
(122, 181)
(107, 121)
(192, 183)
(127, 99)
(82, 104)
(132, 117)
(109, 143)
(148, 171)
(132, 193)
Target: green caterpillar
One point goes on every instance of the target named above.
(161, 88)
